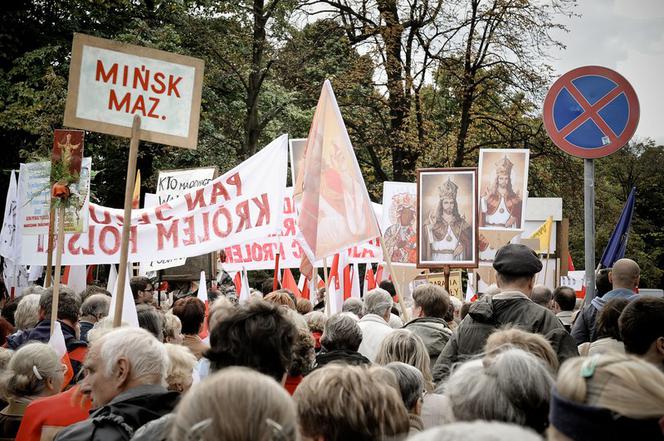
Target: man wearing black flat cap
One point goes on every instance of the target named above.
(516, 266)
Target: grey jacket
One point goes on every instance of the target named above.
(486, 315)
(583, 328)
(433, 331)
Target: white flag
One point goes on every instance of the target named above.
(129, 314)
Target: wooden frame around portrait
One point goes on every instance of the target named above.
(440, 174)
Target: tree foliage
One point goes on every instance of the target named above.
(420, 83)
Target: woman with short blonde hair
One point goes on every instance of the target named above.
(172, 329)
(179, 376)
(607, 396)
(236, 404)
(407, 347)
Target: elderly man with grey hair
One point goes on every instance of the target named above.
(354, 305)
(93, 309)
(374, 322)
(125, 377)
(340, 340)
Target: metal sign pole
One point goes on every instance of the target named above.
(589, 226)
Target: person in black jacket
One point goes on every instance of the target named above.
(516, 266)
(340, 340)
(125, 372)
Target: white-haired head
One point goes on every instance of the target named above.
(146, 356)
(379, 302)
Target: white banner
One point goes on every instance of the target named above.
(260, 254)
(241, 205)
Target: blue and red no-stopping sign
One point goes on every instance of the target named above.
(591, 112)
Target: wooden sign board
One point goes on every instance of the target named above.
(456, 284)
(110, 82)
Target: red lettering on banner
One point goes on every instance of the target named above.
(159, 79)
(110, 250)
(296, 249)
(172, 85)
(144, 219)
(289, 227)
(114, 104)
(93, 216)
(159, 212)
(218, 190)
(257, 252)
(235, 181)
(242, 211)
(71, 244)
(197, 201)
(247, 256)
(90, 250)
(133, 232)
(289, 207)
(189, 231)
(264, 210)
(206, 228)
(215, 222)
(268, 251)
(237, 253)
(170, 234)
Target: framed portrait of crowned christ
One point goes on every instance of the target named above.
(447, 218)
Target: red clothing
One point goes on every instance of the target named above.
(45, 417)
(316, 335)
(292, 383)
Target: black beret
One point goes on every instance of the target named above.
(517, 260)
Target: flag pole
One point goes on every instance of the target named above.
(49, 255)
(58, 265)
(388, 261)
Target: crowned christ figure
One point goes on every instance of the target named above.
(447, 234)
(500, 205)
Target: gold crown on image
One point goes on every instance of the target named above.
(448, 190)
(504, 166)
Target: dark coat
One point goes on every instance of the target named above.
(434, 332)
(340, 356)
(121, 417)
(42, 333)
(583, 328)
(488, 314)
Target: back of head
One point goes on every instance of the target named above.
(607, 319)
(28, 369)
(341, 333)
(303, 353)
(145, 354)
(512, 386)
(172, 328)
(625, 274)
(388, 286)
(594, 394)
(377, 301)
(236, 404)
(565, 297)
(534, 344)
(191, 312)
(219, 309)
(96, 306)
(353, 305)
(642, 324)
(411, 383)
(407, 347)
(150, 319)
(69, 304)
(477, 431)
(316, 321)
(541, 295)
(602, 282)
(180, 367)
(27, 311)
(340, 403)
(433, 300)
(281, 297)
(303, 306)
(256, 335)
(92, 290)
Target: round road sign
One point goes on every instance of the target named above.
(591, 112)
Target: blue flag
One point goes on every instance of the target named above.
(615, 249)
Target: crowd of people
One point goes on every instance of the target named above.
(520, 363)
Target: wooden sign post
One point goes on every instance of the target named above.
(138, 93)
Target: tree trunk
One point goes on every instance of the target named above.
(251, 123)
(464, 124)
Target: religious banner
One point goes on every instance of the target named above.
(110, 82)
(400, 214)
(241, 205)
(447, 218)
(503, 186)
(34, 191)
(260, 254)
